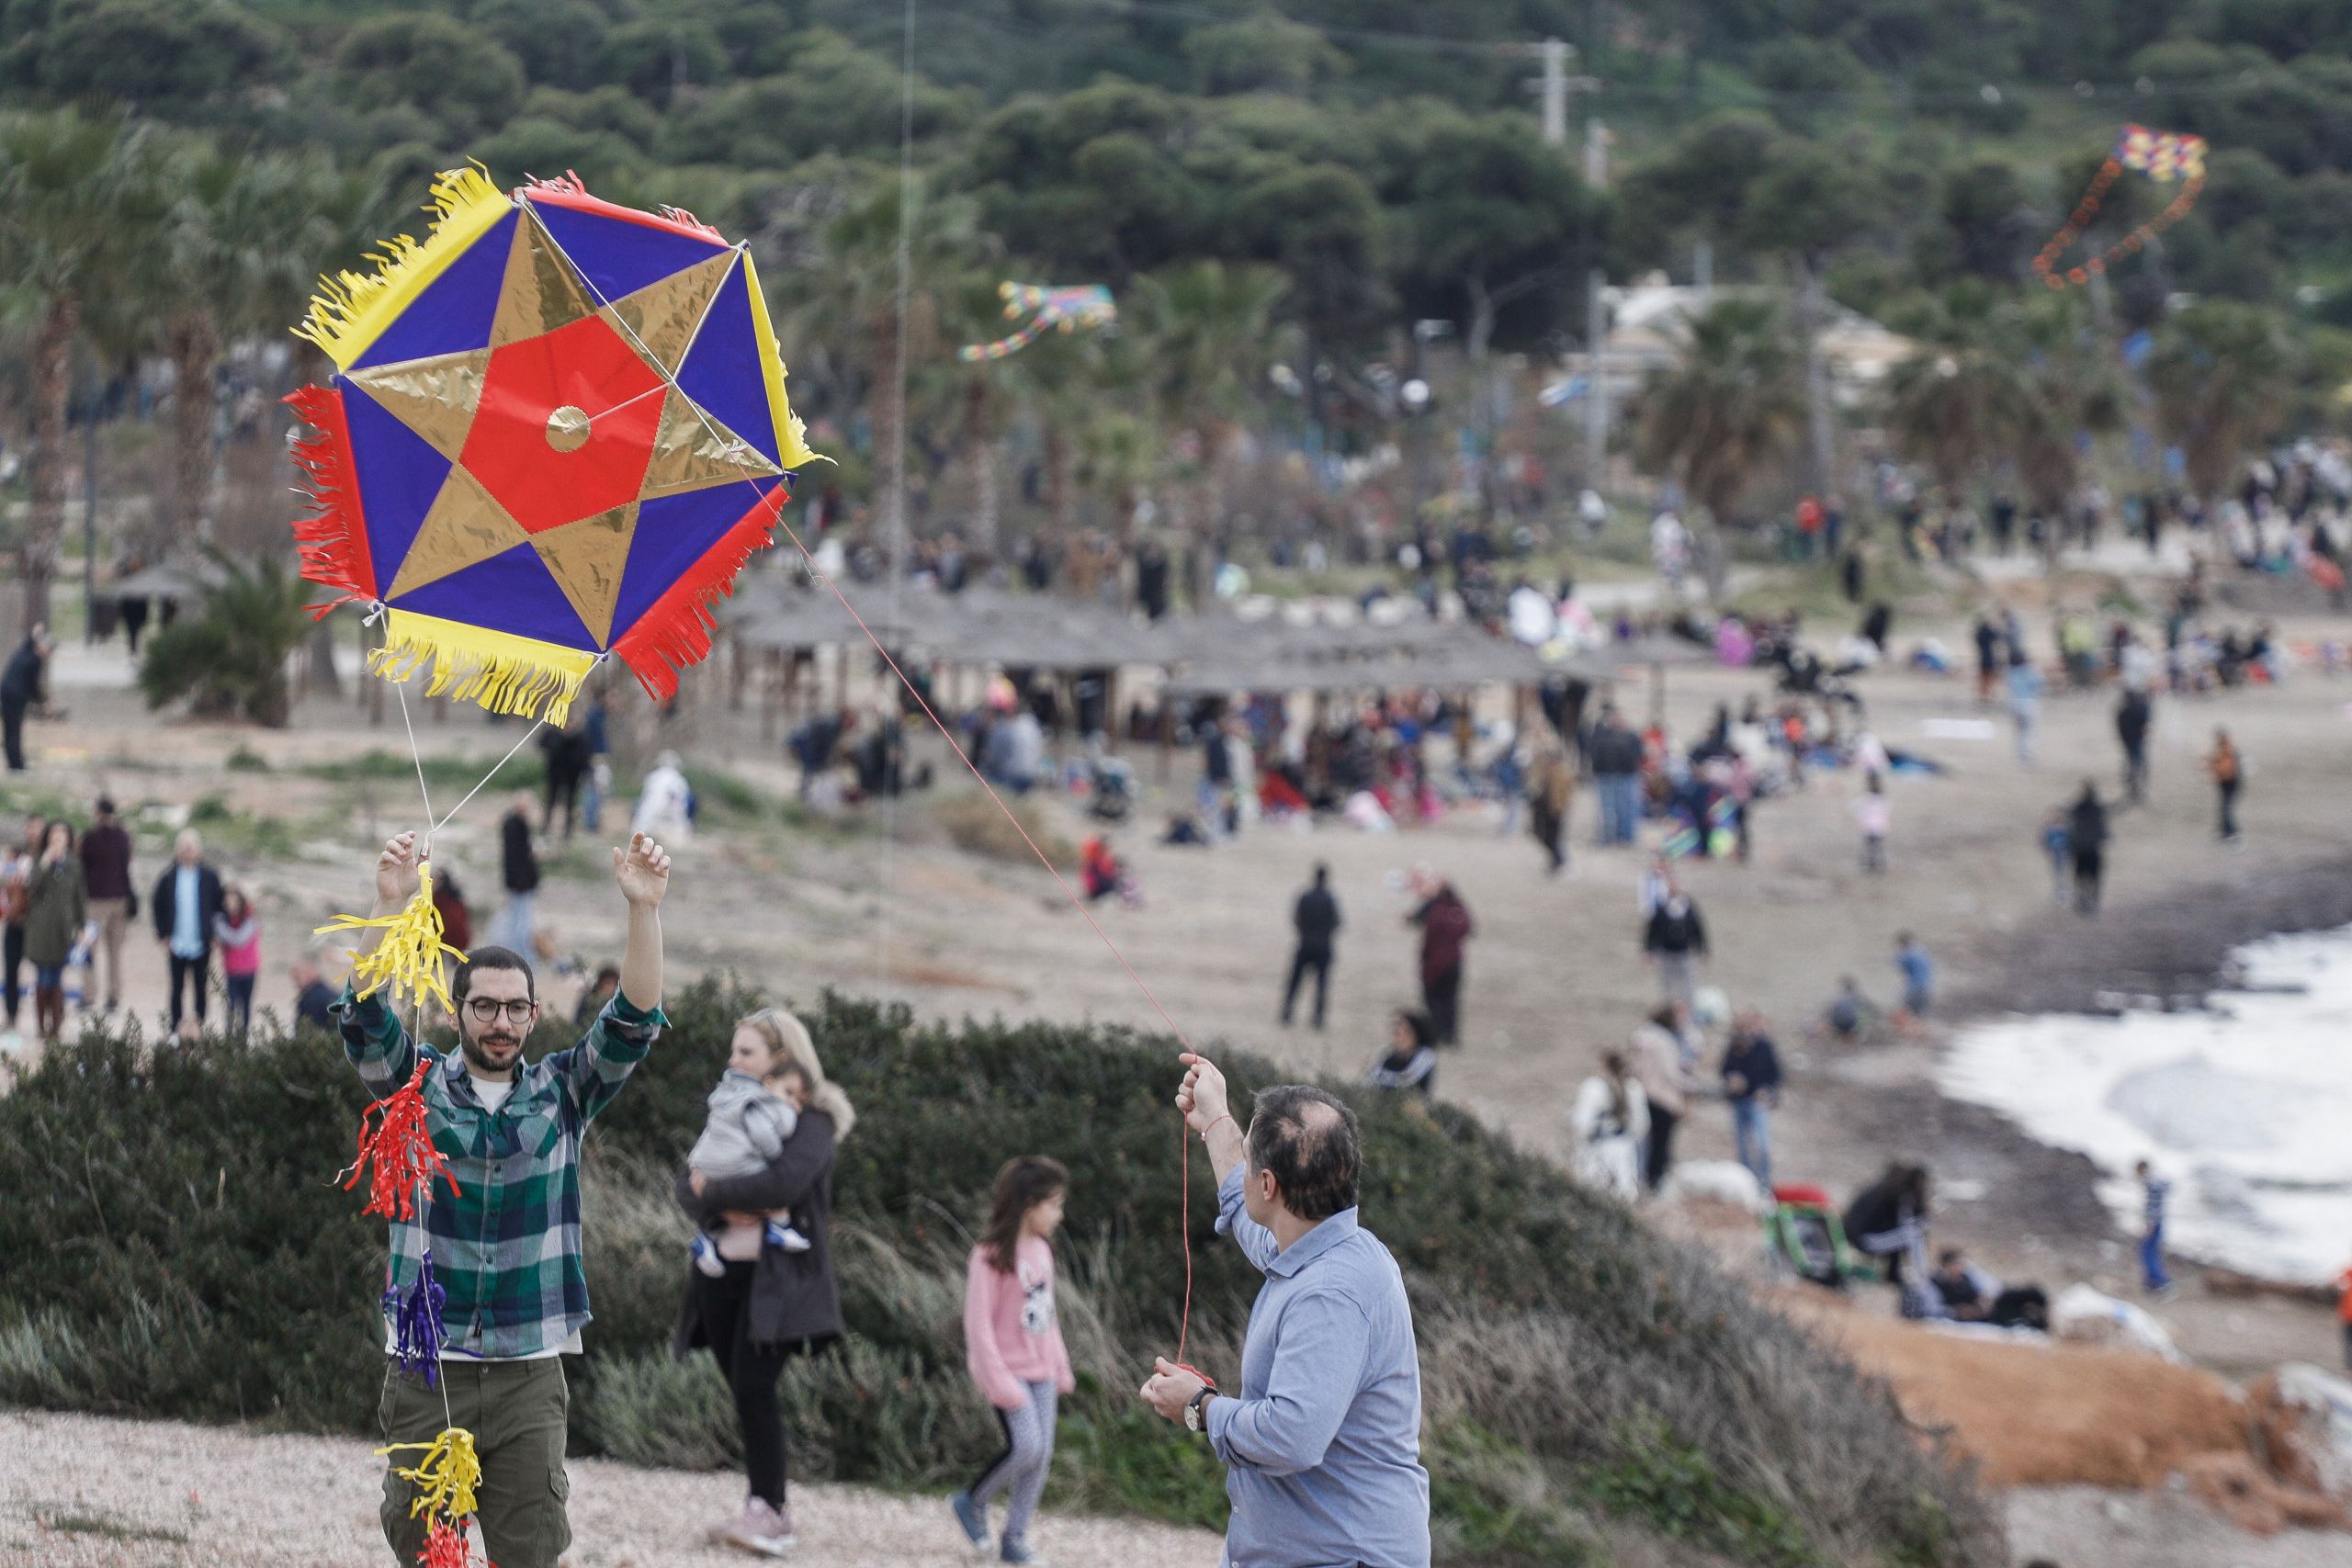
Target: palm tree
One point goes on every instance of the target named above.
(1966, 398)
(1206, 329)
(1732, 411)
(61, 178)
(244, 241)
(854, 292)
(2223, 374)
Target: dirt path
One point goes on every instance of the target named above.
(83, 1492)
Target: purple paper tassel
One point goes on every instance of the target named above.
(417, 1333)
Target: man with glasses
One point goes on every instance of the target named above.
(504, 1228)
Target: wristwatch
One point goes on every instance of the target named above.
(1197, 1411)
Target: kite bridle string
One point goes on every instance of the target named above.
(779, 496)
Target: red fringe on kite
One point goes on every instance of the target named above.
(570, 190)
(333, 537)
(675, 632)
(401, 1150)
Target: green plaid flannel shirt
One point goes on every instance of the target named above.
(506, 1245)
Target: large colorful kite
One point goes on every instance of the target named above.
(557, 430)
(1089, 307)
(2164, 156)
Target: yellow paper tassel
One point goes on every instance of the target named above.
(495, 670)
(351, 309)
(408, 958)
(445, 1478)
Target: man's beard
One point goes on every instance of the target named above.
(477, 1056)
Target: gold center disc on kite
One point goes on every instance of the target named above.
(568, 429)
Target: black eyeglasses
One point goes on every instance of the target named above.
(486, 1010)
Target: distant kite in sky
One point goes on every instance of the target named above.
(1087, 308)
(2164, 156)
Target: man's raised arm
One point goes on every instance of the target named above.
(372, 1036)
(618, 1037)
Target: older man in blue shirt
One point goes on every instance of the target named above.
(1321, 1442)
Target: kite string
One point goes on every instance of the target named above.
(924, 704)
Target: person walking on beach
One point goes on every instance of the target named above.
(184, 903)
(2156, 1195)
(24, 686)
(1446, 929)
(1919, 971)
(1321, 1437)
(518, 873)
(2228, 771)
(2086, 842)
(2132, 716)
(505, 1234)
(1551, 787)
(237, 931)
(1315, 919)
(1666, 1087)
(1674, 940)
(1615, 754)
(1988, 657)
(58, 908)
(768, 1304)
(1874, 814)
(1013, 1348)
(1751, 1078)
(2025, 687)
(106, 875)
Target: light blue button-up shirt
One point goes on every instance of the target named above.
(1322, 1446)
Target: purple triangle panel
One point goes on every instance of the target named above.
(722, 368)
(509, 593)
(672, 533)
(397, 474)
(453, 314)
(619, 256)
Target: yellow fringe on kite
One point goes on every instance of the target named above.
(409, 957)
(445, 1478)
(791, 434)
(352, 309)
(495, 670)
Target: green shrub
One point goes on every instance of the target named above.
(229, 658)
(174, 1248)
(453, 776)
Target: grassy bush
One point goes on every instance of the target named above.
(975, 825)
(173, 1248)
(527, 769)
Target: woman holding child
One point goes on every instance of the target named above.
(759, 1188)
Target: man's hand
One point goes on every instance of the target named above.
(643, 872)
(1202, 1098)
(1170, 1387)
(396, 873)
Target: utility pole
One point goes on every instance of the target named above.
(1555, 88)
(1596, 390)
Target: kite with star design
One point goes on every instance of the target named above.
(557, 430)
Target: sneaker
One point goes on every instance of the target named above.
(784, 1238)
(716, 1532)
(706, 1255)
(763, 1529)
(973, 1519)
(1018, 1551)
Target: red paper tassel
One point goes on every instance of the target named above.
(401, 1150)
(333, 537)
(445, 1547)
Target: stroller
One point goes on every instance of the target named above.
(1804, 1236)
(1111, 789)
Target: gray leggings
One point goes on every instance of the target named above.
(1020, 1469)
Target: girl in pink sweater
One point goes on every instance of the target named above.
(1013, 1346)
